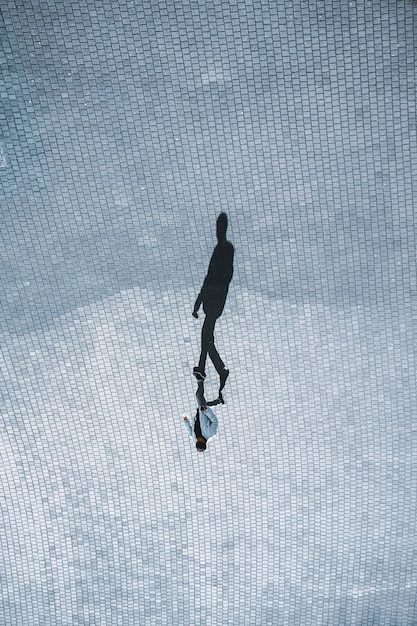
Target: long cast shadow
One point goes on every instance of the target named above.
(213, 296)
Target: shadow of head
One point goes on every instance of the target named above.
(221, 226)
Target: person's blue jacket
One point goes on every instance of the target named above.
(208, 424)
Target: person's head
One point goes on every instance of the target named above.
(221, 227)
(201, 444)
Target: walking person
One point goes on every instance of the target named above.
(213, 296)
(204, 425)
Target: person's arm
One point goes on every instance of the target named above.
(188, 425)
(209, 279)
(198, 303)
(200, 296)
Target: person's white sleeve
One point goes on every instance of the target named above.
(188, 427)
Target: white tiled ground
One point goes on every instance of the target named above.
(126, 128)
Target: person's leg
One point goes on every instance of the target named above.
(208, 347)
(218, 400)
(207, 339)
(215, 358)
(201, 401)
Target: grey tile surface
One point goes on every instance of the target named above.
(125, 129)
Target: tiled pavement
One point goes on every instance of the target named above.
(126, 128)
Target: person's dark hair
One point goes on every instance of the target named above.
(201, 445)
